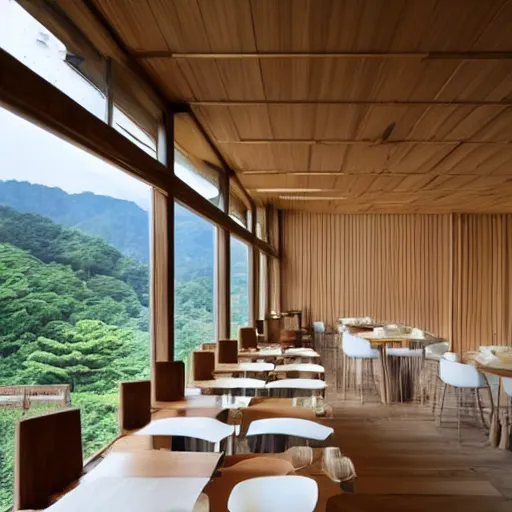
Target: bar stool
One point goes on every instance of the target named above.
(460, 376)
(274, 494)
(360, 350)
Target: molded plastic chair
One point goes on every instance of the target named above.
(460, 376)
(274, 494)
(435, 351)
(507, 386)
(290, 427)
(318, 327)
(404, 352)
(357, 348)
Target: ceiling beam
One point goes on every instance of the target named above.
(265, 103)
(315, 174)
(330, 142)
(325, 55)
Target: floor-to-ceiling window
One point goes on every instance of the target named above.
(74, 282)
(194, 287)
(240, 302)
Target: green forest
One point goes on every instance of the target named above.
(74, 299)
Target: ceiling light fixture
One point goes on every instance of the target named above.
(309, 198)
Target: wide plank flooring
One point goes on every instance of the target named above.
(399, 452)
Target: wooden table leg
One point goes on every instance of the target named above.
(494, 430)
(384, 384)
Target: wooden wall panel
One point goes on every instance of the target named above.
(448, 274)
(482, 281)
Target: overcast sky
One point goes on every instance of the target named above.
(29, 153)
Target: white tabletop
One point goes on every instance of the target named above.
(133, 495)
(300, 367)
(375, 336)
(230, 383)
(297, 384)
(291, 427)
(209, 429)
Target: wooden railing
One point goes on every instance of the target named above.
(24, 397)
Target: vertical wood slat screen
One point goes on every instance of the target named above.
(449, 275)
(274, 266)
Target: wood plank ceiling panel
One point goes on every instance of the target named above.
(135, 22)
(465, 161)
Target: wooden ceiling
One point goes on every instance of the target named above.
(340, 105)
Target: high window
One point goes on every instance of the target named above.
(240, 302)
(74, 283)
(194, 288)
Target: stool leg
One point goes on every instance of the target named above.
(443, 394)
(479, 406)
(458, 393)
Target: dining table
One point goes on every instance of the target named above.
(500, 430)
(390, 390)
(274, 354)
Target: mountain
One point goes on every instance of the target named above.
(121, 223)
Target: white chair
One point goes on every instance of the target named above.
(361, 350)
(206, 429)
(318, 327)
(460, 376)
(274, 494)
(435, 351)
(296, 427)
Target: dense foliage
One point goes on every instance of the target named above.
(74, 308)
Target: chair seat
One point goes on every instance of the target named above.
(404, 352)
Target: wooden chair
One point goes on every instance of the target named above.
(134, 405)
(248, 338)
(170, 381)
(48, 457)
(203, 365)
(227, 351)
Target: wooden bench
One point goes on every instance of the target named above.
(24, 397)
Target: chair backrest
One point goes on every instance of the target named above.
(290, 427)
(507, 385)
(169, 381)
(437, 349)
(318, 327)
(451, 356)
(353, 346)
(134, 404)
(460, 375)
(248, 337)
(297, 384)
(203, 365)
(274, 494)
(207, 429)
(227, 351)
(48, 457)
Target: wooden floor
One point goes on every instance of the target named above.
(398, 450)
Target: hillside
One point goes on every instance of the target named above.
(122, 224)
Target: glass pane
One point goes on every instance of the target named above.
(239, 286)
(262, 307)
(261, 223)
(25, 38)
(74, 282)
(202, 178)
(132, 131)
(194, 287)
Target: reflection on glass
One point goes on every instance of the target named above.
(194, 256)
(74, 282)
(35, 46)
(239, 286)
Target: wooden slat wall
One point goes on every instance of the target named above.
(399, 268)
(482, 281)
